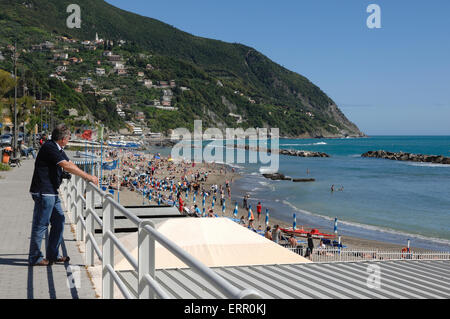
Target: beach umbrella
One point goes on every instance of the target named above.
(267, 217)
(236, 210)
(294, 226)
(250, 213)
(335, 225)
(204, 200)
(213, 201)
(187, 194)
(223, 207)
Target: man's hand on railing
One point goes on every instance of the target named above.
(93, 179)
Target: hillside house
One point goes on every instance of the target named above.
(61, 68)
(105, 92)
(100, 71)
(148, 83)
(114, 58)
(163, 84)
(140, 116)
(118, 65)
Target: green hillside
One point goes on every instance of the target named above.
(224, 84)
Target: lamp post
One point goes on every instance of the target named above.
(15, 57)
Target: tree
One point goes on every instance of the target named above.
(6, 84)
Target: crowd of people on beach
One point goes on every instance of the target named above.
(185, 186)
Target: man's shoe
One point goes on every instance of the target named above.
(60, 260)
(43, 262)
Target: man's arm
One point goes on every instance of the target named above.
(73, 169)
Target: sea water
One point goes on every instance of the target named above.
(377, 199)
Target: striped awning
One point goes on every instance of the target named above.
(358, 280)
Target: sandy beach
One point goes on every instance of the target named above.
(217, 174)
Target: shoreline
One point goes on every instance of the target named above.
(218, 174)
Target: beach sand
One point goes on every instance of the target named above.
(218, 174)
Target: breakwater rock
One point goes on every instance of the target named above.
(303, 153)
(281, 177)
(401, 156)
(277, 177)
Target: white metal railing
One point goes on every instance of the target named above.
(327, 255)
(85, 217)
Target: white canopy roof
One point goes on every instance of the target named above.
(216, 242)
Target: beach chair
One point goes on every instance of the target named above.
(326, 242)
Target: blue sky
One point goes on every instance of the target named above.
(394, 80)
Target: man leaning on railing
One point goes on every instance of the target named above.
(47, 177)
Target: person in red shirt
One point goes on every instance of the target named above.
(43, 139)
(258, 210)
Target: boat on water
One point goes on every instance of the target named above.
(125, 144)
(315, 233)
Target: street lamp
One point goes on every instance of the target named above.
(15, 57)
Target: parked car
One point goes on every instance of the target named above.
(6, 139)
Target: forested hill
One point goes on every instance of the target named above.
(225, 84)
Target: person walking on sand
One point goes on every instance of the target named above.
(276, 234)
(258, 210)
(292, 241)
(47, 177)
(310, 248)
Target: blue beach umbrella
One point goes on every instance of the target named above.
(236, 210)
(267, 217)
(187, 194)
(204, 201)
(213, 201)
(294, 226)
(223, 207)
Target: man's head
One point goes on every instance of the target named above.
(61, 134)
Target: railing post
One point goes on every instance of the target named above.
(79, 208)
(146, 260)
(66, 193)
(89, 226)
(108, 249)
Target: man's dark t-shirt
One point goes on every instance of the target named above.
(47, 176)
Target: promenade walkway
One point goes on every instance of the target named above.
(17, 279)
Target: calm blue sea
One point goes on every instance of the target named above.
(383, 200)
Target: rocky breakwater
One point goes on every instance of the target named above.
(401, 156)
(280, 151)
(303, 153)
(282, 177)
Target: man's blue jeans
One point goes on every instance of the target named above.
(47, 210)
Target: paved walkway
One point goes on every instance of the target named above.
(17, 279)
